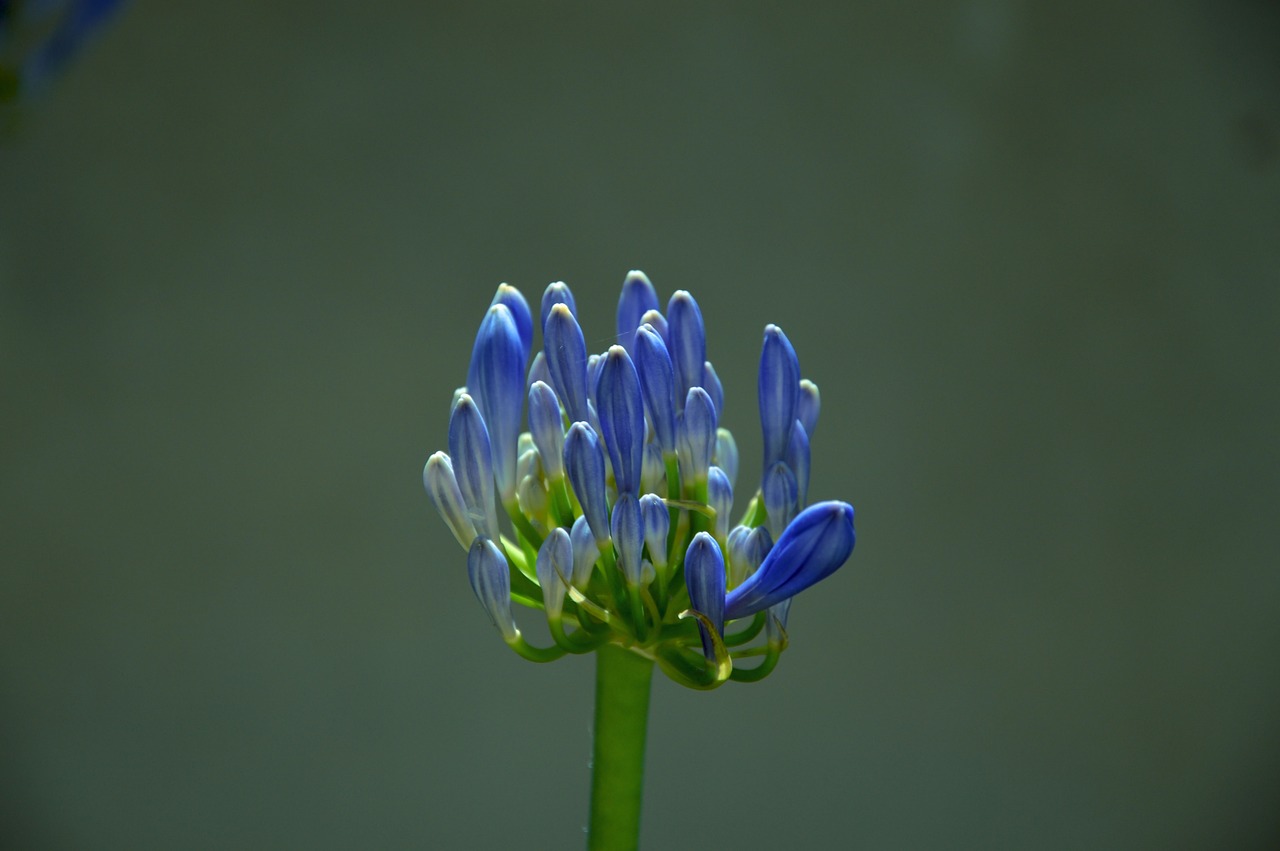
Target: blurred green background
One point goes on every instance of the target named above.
(1031, 254)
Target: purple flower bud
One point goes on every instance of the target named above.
(566, 352)
(811, 548)
(779, 386)
(442, 487)
(628, 535)
(779, 491)
(657, 525)
(621, 412)
(797, 458)
(556, 293)
(638, 297)
(491, 580)
(473, 464)
(711, 383)
(697, 435)
(688, 342)
(808, 404)
(584, 462)
(555, 560)
(585, 552)
(514, 301)
(495, 380)
(546, 426)
(657, 383)
(720, 498)
(704, 577)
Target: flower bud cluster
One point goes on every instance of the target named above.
(619, 487)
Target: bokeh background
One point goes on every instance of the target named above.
(1030, 252)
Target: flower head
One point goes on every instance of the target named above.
(620, 493)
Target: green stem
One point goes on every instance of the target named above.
(623, 679)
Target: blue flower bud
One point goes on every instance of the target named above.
(546, 425)
(704, 577)
(594, 365)
(530, 463)
(779, 386)
(720, 497)
(538, 370)
(808, 404)
(442, 487)
(659, 323)
(811, 548)
(556, 293)
(495, 380)
(584, 462)
(473, 464)
(653, 473)
(657, 525)
(491, 580)
(726, 454)
(585, 552)
(657, 383)
(697, 435)
(638, 297)
(628, 535)
(797, 458)
(747, 548)
(566, 352)
(711, 383)
(688, 342)
(514, 301)
(779, 491)
(621, 412)
(555, 568)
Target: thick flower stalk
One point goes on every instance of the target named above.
(609, 508)
(618, 488)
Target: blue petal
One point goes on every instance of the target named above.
(688, 342)
(538, 370)
(657, 525)
(491, 580)
(813, 547)
(594, 364)
(657, 383)
(638, 297)
(779, 385)
(621, 412)
(697, 435)
(628, 536)
(473, 463)
(514, 301)
(566, 352)
(546, 427)
(584, 462)
(495, 379)
(556, 293)
(653, 471)
(704, 577)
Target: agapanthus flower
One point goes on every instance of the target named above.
(618, 488)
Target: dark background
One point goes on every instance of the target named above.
(1030, 254)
